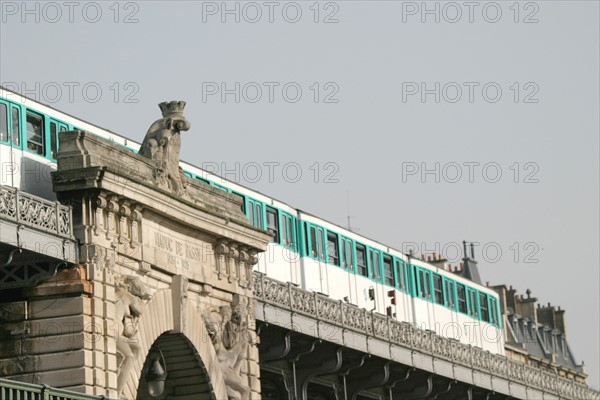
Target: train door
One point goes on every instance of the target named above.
(423, 300)
(314, 266)
(10, 144)
(375, 275)
(36, 166)
(254, 212)
(473, 329)
(289, 247)
(347, 261)
(55, 128)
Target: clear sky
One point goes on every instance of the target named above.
(427, 123)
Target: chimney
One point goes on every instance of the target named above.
(502, 293)
(559, 320)
(552, 317)
(511, 299)
(470, 270)
(527, 307)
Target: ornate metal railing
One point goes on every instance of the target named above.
(26, 391)
(347, 316)
(35, 212)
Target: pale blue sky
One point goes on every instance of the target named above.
(367, 58)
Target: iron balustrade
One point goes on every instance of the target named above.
(35, 212)
(10, 390)
(347, 316)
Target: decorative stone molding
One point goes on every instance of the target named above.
(234, 261)
(118, 221)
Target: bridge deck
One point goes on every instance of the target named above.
(285, 305)
(36, 237)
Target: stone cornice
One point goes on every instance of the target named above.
(87, 162)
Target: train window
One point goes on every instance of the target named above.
(462, 298)
(273, 224)
(313, 241)
(35, 133)
(242, 206)
(287, 230)
(483, 306)
(493, 312)
(401, 275)
(472, 302)
(16, 126)
(53, 140)
(347, 250)
(251, 214)
(388, 271)
(316, 243)
(254, 211)
(258, 215)
(333, 253)
(375, 265)
(361, 260)
(438, 291)
(3, 122)
(424, 284)
(449, 288)
(320, 248)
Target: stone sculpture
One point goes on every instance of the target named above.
(132, 295)
(162, 144)
(228, 332)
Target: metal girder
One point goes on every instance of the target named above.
(327, 360)
(419, 387)
(277, 347)
(22, 268)
(307, 368)
(374, 373)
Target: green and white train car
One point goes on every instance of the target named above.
(306, 250)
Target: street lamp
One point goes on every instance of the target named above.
(157, 375)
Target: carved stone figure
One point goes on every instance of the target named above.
(132, 295)
(228, 333)
(162, 144)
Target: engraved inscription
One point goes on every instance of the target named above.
(178, 253)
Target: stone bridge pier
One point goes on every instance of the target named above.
(160, 304)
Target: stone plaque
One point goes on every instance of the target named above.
(176, 252)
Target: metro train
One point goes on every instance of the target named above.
(306, 250)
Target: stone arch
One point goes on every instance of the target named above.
(158, 319)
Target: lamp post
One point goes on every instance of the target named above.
(156, 375)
